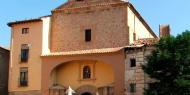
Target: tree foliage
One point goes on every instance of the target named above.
(169, 66)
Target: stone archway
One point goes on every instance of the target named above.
(72, 74)
(86, 90)
(86, 93)
(115, 60)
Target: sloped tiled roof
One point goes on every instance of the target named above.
(137, 44)
(27, 20)
(5, 48)
(93, 51)
(146, 41)
(75, 4)
(81, 52)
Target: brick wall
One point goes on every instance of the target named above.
(108, 25)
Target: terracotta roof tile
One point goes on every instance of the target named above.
(146, 41)
(93, 51)
(27, 20)
(137, 44)
(90, 51)
(76, 6)
(5, 48)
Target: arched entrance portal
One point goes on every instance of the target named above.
(86, 93)
(85, 77)
(54, 71)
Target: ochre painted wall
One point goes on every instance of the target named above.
(115, 60)
(34, 39)
(69, 73)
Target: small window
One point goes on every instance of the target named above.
(86, 72)
(134, 36)
(132, 87)
(106, 90)
(88, 35)
(24, 52)
(23, 77)
(25, 30)
(133, 62)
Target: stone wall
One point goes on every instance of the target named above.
(135, 74)
(4, 69)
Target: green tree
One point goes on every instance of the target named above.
(169, 66)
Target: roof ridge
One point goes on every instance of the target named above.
(141, 19)
(5, 48)
(93, 5)
(27, 20)
(87, 51)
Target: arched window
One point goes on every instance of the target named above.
(86, 72)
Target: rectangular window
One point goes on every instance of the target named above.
(132, 62)
(25, 30)
(88, 35)
(132, 87)
(110, 91)
(107, 90)
(23, 77)
(134, 36)
(24, 53)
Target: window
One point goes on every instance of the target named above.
(133, 62)
(106, 90)
(86, 72)
(134, 36)
(25, 30)
(132, 87)
(23, 77)
(88, 35)
(24, 52)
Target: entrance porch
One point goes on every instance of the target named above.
(106, 74)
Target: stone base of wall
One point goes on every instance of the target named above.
(34, 92)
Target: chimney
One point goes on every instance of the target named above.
(164, 30)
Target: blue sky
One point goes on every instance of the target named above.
(155, 12)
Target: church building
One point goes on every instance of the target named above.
(94, 47)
